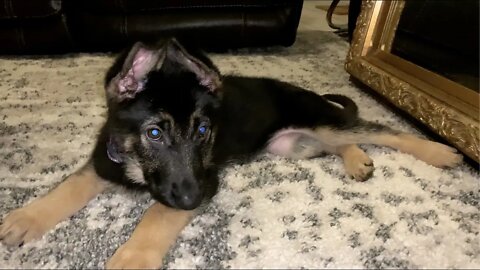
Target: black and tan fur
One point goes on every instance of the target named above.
(174, 121)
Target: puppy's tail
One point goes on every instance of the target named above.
(347, 103)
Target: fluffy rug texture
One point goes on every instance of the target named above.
(270, 213)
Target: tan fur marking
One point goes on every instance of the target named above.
(151, 240)
(128, 143)
(358, 164)
(33, 220)
(134, 171)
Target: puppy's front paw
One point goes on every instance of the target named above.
(133, 257)
(20, 226)
(358, 164)
(361, 168)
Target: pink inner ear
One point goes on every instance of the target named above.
(133, 81)
(210, 82)
(205, 76)
(142, 63)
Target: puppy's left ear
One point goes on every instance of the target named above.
(207, 77)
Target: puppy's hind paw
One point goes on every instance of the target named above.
(449, 157)
(434, 153)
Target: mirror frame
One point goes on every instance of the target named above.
(449, 109)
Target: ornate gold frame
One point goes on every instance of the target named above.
(449, 109)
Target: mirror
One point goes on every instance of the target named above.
(441, 36)
(386, 54)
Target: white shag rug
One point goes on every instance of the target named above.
(271, 213)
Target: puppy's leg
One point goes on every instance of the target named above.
(33, 220)
(152, 238)
(433, 153)
(304, 144)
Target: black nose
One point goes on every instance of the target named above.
(185, 195)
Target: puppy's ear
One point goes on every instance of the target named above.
(208, 77)
(131, 79)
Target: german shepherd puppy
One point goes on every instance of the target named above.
(174, 121)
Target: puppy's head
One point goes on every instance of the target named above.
(162, 104)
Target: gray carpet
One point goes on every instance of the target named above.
(271, 213)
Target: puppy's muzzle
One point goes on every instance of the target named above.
(184, 194)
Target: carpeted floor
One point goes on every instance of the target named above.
(272, 213)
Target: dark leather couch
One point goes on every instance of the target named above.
(59, 26)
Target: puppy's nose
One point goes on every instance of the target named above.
(186, 195)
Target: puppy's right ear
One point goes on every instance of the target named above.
(131, 78)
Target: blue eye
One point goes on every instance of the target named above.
(154, 133)
(202, 130)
